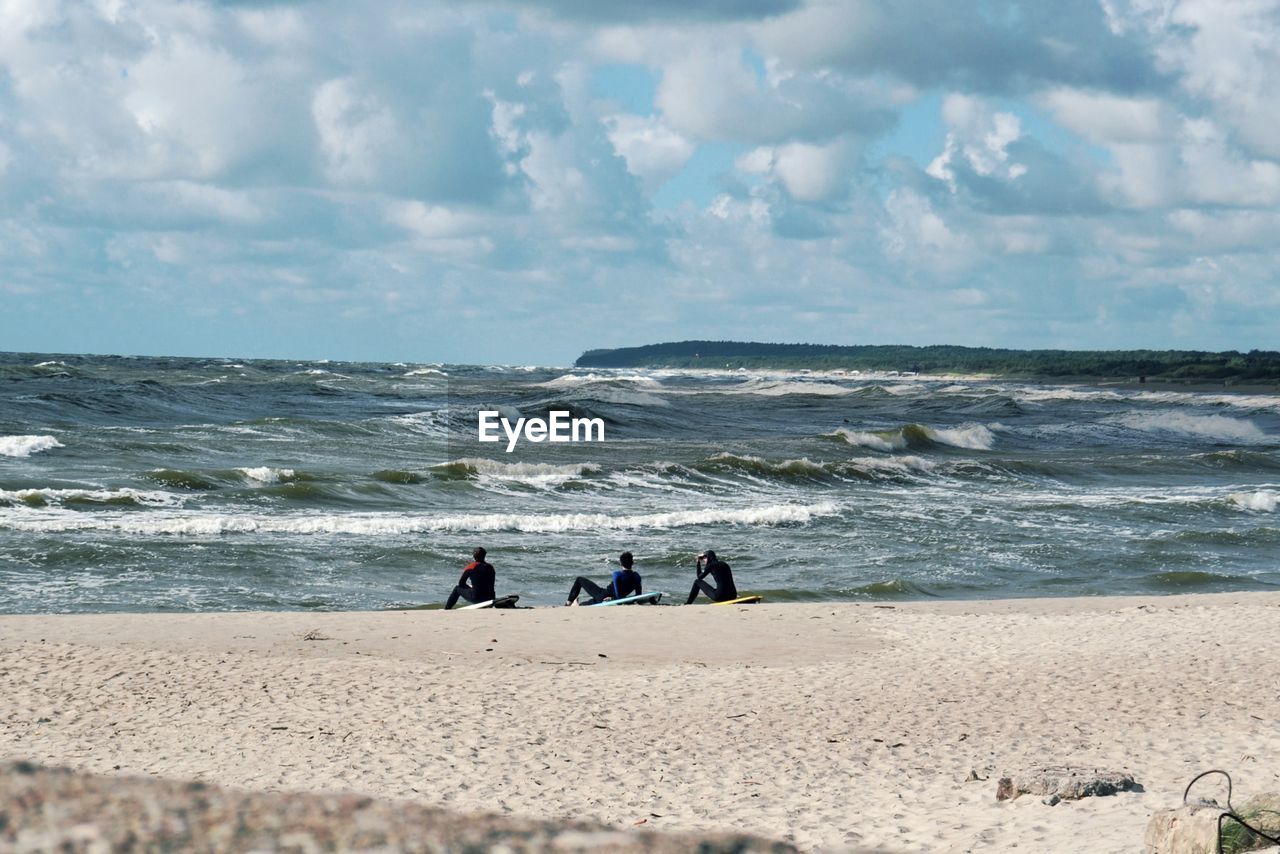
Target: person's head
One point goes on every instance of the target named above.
(708, 555)
(626, 560)
(479, 554)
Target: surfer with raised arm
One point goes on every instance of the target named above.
(476, 582)
(625, 582)
(709, 564)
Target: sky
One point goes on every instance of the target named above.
(516, 182)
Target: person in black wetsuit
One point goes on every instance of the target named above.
(709, 564)
(476, 583)
(625, 582)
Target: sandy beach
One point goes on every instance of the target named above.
(833, 726)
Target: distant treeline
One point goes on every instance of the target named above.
(1256, 365)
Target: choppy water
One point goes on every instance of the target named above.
(197, 484)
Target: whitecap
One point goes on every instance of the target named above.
(1219, 428)
(1260, 500)
(25, 446)
(382, 524)
(874, 441)
(52, 495)
(537, 474)
(772, 388)
(266, 474)
(974, 437)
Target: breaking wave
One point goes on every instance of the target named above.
(779, 388)
(1260, 500)
(1219, 428)
(974, 437)
(266, 474)
(25, 446)
(90, 497)
(572, 381)
(535, 473)
(378, 524)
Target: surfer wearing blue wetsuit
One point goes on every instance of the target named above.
(625, 582)
(709, 564)
(476, 583)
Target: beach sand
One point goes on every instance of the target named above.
(830, 725)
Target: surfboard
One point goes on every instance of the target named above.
(630, 600)
(741, 600)
(500, 602)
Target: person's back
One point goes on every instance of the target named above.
(483, 578)
(623, 583)
(477, 582)
(626, 582)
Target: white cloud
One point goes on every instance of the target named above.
(711, 93)
(1196, 165)
(810, 173)
(980, 137)
(432, 221)
(355, 131)
(916, 232)
(1102, 117)
(653, 151)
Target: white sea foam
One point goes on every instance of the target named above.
(906, 464)
(1214, 427)
(893, 441)
(975, 437)
(430, 422)
(102, 496)
(25, 446)
(1040, 395)
(1237, 401)
(536, 474)
(1190, 398)
(1260, 500)
(773, 388)
(53, 363)
(382, 524)
(266, 474)
(568, 381)
(425, 372)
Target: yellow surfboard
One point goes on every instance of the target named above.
(742, 600)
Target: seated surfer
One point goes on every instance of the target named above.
(709, 564)
(625, 582)
(476, 583)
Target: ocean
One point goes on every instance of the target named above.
(179, 484)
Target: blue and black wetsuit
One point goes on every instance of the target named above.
(723, 575)
(625, 582)
(475, 585)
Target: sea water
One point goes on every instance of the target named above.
(157, 484)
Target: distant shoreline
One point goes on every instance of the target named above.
(1258, 367)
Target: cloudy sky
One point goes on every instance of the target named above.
(518, 181)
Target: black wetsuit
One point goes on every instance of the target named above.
(625, 582)
(724, 589)
(475, 585)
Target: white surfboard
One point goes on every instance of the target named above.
(500, 602)
(630, 600)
